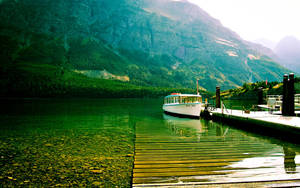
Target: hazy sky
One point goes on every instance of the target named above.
(254, 19)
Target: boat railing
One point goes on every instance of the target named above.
(297, 99)
(223, 107)
(275, 101)
(297, 102)
(210, 107)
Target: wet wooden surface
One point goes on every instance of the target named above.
(201, 153)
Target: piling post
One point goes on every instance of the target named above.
(218, 97)
(285, 95)
(291, 95)
(260, 95)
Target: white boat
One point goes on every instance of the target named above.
(187, 105)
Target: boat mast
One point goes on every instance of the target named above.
(197, 87)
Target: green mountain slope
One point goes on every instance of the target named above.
(249, 91)
(45, 80)
(143, 42)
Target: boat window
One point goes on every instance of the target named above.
(193, 99)
(171, 100)
(187, 99)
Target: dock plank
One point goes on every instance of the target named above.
(170, 159)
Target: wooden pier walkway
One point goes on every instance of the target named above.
(183, 153)
(274, 117)
(286, 126)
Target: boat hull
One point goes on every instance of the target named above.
(183, 110)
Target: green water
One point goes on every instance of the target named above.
(67, 142)
(91, 142)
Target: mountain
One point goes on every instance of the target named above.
(162, 43)
(264, 50)
(266, 42)
(288, 50)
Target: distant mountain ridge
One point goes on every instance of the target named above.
(266, 42)
(288, 50)
(148, 42)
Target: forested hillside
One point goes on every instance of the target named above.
(145, 43)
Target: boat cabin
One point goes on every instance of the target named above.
(177, 98)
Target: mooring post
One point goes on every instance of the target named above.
(260, 95)
(218, 98)
(291, 95)
(285, 95)
(222, 108)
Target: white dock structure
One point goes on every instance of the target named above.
(265, 122)
(263, 116)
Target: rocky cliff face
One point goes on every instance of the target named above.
(153, 42)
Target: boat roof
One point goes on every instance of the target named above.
(182, 95)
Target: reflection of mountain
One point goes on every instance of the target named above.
(200, 151)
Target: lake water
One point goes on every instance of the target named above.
(55, 139)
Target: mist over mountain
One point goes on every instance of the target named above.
(144, 42)
(288, 50)
(266, 42)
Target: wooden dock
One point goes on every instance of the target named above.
(282, 126)
(183, 153)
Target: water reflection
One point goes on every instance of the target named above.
(167, 149)
(205, 151)
(289, 160)
(221, 131)
(185, 127)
